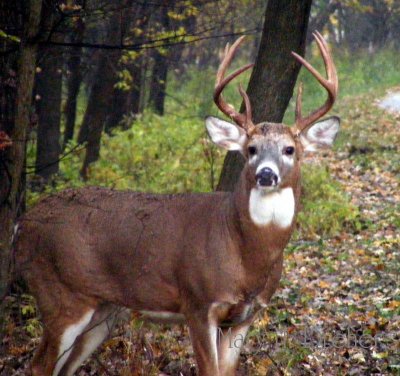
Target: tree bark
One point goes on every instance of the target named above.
(15, 155)
(274, 75)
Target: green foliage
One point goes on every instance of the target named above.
(157, 154)
(30, 315)
(326, 208)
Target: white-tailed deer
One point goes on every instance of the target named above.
(210, 259)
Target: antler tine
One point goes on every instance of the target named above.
(249, 116)
(299, 101)
(243, 120)
(328, 60)
(331, 84)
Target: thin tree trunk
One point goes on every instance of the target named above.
(321, 19)
(48, 89)
(74, 82)
(100, 98)
(275, 72)
(15, 155)
(160, 69)
(159, 83)
(119, 108)
(135, 94)
(127, 101)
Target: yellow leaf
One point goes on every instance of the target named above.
(394, 304)
(323, 285)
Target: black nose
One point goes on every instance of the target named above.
(266, 177)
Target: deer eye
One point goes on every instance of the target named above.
(289, 150)
(252, 150)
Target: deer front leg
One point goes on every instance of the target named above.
(230, 342)
(203, 334)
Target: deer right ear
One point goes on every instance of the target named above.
(227, 135)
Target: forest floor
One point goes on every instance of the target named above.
(338, 309)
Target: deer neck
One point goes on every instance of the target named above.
(264, 221)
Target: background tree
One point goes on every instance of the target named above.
(74, 75)
(48, 95)
(100, 98)
(128, 90)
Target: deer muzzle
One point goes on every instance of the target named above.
(266, 177)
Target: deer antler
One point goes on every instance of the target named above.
(331, 84)
(243, 120)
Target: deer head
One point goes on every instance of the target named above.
(273, 150)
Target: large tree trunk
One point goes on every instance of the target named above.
(14, 156)
(48, 90)
(275, 72)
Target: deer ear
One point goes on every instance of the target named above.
(224, 134)
(321, 134)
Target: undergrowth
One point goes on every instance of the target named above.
(326, 208)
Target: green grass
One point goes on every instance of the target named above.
(327, 209)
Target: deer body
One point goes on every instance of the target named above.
(212, 260)
(120, 247)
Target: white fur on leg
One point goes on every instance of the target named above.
(92, 339)
(229, 348)
(213, 334)
(68, 339)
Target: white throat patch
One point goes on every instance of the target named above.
(274, 207)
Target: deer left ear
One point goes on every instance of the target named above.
(321, 134)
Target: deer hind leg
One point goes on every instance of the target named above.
(100, 327)
(230, 342)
